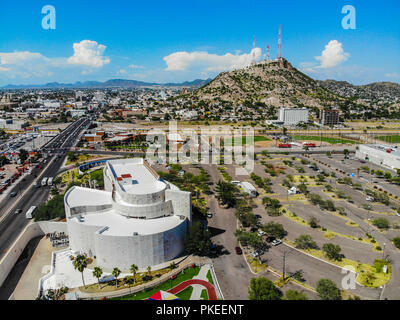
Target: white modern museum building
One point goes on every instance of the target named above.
(138, 219)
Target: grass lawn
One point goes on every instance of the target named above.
(165, 286)
(325, 139)
(204, 295)
(209, 277)
(390, 139)
(243, 140)
(185, 294)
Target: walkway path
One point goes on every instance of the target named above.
(212, 295)
(197, 289)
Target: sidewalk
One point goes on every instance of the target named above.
(197, 288)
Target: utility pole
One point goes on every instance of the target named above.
(284, 265)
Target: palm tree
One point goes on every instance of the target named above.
(80, 264)
(149, 270)
(98, 272)
(134, 268)
(116, 272)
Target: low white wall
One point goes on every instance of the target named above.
(31, 231)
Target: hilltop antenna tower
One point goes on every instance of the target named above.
(279, 56)
(268, 55)
(254, 51)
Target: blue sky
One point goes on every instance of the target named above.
(173, 41)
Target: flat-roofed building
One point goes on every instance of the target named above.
(138, 219)
(293, 116)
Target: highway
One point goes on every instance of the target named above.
(11, 224)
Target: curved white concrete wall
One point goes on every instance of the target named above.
(81, 236)
(142, 250)
(152, 211)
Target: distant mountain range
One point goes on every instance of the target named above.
(114, 83)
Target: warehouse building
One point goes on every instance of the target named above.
(380, 154)
(138, 219)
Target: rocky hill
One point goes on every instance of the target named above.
(270, 83)
(378, 92)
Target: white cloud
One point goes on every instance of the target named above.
(182, 60)
(393, 75)
(21, 57)
(134, 66)
(333, 55)
(89, 53)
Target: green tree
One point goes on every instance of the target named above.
(116, 272)
(263, 289)
(274, 229)
(314, 223)
(97, 273)
(295, 295)
(327, 290)
(396, 242)
(199, 240)
(226, 193)
(23, 155)
(149, 271)
(305, 241)
(332, 251)
(134, 268)
(80, 264)
(381, 223)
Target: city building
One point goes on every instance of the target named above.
(138, 219)
(293, 116)
(379, 154)
(329, 117)
(11, 124)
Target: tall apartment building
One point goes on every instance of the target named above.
(292, 116)
(329, 117)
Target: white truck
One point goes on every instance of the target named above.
(44, 182)
(50, 181)
(29, 213)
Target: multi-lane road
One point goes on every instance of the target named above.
(11, 224)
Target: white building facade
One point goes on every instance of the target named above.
(138, 219)
(292, 116)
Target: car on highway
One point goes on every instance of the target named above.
(276, 242)
(18, 211)
(238, 250)
(13, 194)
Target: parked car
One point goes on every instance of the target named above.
(255, 254)
(261, 233)
(369, 199)
(238, 250)
(209, 215)
(276, 242)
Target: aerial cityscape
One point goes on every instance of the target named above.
(204, 158)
